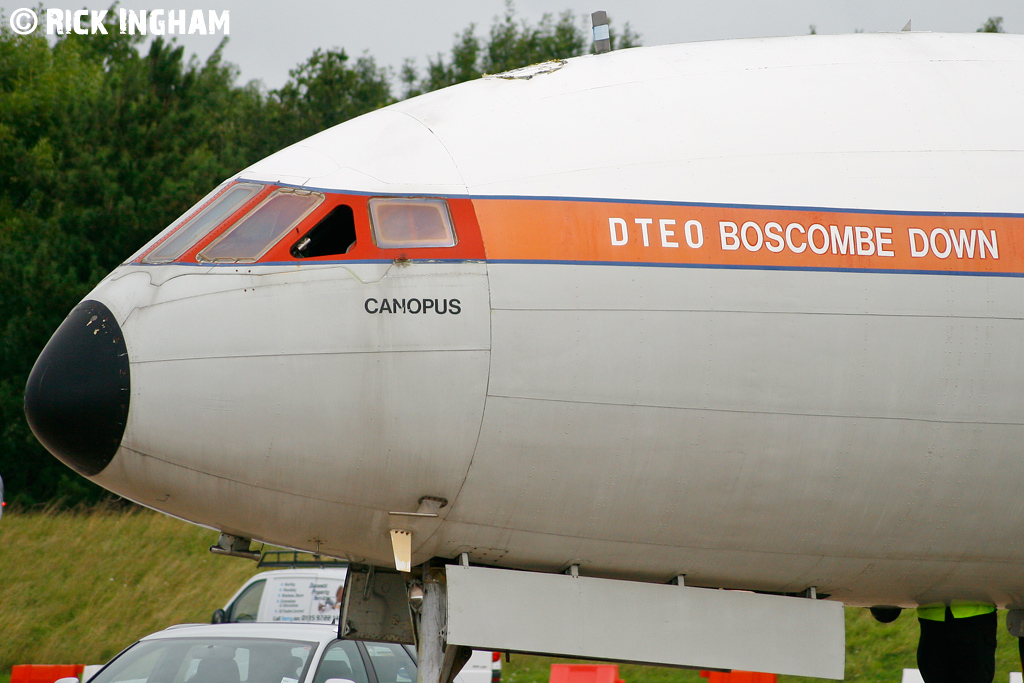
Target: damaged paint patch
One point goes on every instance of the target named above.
(525, 73)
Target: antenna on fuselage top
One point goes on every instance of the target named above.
(602, 37)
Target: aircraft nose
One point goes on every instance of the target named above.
(76, 400)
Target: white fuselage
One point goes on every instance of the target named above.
(847, 423)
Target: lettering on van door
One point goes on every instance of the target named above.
(306, 600)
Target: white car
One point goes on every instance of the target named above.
(258, 653)
(312, 594)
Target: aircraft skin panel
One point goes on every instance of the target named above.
(285, 518)
(684, 128)
(360, 417)
(167, 283)
(624, 287)
(216, 358)
(697, 379)
(963, 370)
(308, 313)
(302, 164)
(869, 180)
(672, 144)
(725, 481)
(860, 581)
(386, 152)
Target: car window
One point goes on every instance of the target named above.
(247, 606)
(210, 660)
(391, 663)
(138, 669)
(278, 666)
(341, 660)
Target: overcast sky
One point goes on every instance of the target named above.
(269, 37)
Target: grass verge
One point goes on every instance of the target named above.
(77, 587)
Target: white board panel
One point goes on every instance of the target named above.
(639, 622)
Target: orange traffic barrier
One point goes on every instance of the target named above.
(733, 677)
(582, 673)
(44, 673)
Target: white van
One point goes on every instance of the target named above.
(304, 595)
(310, 592)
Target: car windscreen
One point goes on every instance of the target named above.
(210, 660)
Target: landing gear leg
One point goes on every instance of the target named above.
(958, 650)
(438, 662)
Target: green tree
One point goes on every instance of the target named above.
(326, 90)
(992, 25)
(100, 147)
(512, 43)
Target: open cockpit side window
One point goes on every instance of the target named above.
(333, 235)
(400, 223)
(198, 221)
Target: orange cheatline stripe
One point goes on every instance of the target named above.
(621, 232)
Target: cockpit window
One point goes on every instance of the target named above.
(409, 223)
(196, 225)
(335, 234)
(263, 227)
